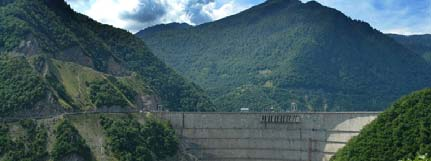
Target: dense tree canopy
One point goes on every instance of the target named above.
(130, 141)
(401, 132)
(20, 86)
(68, 142)
(30, 147)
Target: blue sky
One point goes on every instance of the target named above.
(389, 16)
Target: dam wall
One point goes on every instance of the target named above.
(266, 136)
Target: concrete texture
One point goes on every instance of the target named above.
(266, 136)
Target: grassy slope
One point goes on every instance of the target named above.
(75, 79)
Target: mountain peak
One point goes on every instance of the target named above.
(283, 1)
(164, 27)
(272, 5)
(285, 46)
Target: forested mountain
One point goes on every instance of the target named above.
(53, 58)
(401, 132)
(420, 44)
(285, 51)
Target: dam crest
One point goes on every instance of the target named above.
(266, 136)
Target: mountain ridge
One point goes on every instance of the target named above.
(164, 27)
(417, 43)
(309, 53)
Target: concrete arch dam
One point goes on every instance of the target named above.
(267, 136)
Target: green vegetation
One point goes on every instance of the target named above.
(78, 137)
(102, 93)
(419, 158)
(417, 43)
(69, 142)
(401, 132)
(5, 141)
(20, 86)
(130, 141)
(288, 51)
(52, 29)
(30, 147)
(86, 88)
(127, 91)
(161, 138)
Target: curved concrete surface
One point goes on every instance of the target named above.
(267, 136)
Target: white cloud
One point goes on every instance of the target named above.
(134, 15)
(390, 16)
(227, 9)
(108, 11)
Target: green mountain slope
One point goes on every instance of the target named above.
(420, 44)
(285, 51)
(401, 132)
(20, 85)
(82, 64)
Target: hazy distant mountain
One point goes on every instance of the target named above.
(53, 59)
(285, 51)
(420, 44)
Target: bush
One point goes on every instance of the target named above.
(419, 158)
(102, 93)
(68, 142)
(5, 141)
(130, 141)
(161, 138)
(31, 147)
(20, 86)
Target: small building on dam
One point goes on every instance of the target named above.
(266, 136)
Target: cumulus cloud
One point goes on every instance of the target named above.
(145, 11)
(229, 8)
(135, 15)
(195, 9)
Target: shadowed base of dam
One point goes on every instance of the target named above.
(266, 136)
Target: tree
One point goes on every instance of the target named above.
(68, 142)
